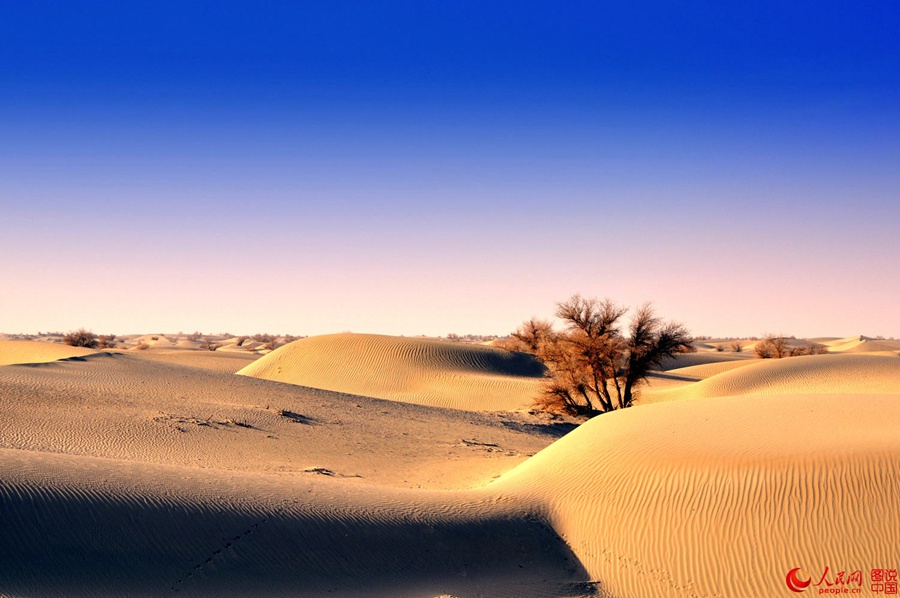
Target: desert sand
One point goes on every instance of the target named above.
(364, 465)
(412, 370)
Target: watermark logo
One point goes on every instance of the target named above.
(881, 581)
(795, 583)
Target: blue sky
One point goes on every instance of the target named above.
(435, 167)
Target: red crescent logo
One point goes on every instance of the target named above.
(795, 584)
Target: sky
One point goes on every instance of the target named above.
(430, 167)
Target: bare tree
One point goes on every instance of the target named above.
(593, 366)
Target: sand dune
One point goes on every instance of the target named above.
(139, 407)
(152, 340)
(159, 472)
(20, 352)
(701, 358)
(411, 370)
(130, 474)
(863, 344)
(227, 362)
(258, 535)
(707, 370)
(722, 497)
(813, 374)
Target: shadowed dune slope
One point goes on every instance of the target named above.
(410, 370)
(813, 374)
(20, 352)
(81, 526)
(722, 497)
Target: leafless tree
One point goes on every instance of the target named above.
(593, 366)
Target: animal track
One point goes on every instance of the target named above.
(225, 548)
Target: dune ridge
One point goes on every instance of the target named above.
(411, 370)
(14, 352)
(863, 344)
(812, 374)
(722, 497)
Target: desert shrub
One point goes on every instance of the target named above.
(737, 347)
(209, 344)
(270, 345)
(263, 338)
(107, 341)
(241, 339)
(812, 349)
(776, 347)
(772, 347)
(142, 346)
(720, 348)
(195, 336)
(81, 338)
(593, 366)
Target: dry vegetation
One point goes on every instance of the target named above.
(778, 347)
(594, 367)
(89, 340)
(209, 344)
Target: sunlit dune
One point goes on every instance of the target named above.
(21, 352)
(723, 496)
(813, 374)
(863, 344)
(412, 370)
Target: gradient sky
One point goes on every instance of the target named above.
(430, 167)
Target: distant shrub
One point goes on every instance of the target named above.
(209, 344)
(776, 347)
(737, 347)
(241, 339)
(81, 338)
(107, 341)
(813, 349)
(196, 336)
(720, 348)
(263, 338)
(772, 347)
(142, 346)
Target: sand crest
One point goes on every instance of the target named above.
(21, 352)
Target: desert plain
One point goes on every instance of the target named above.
(368, 465)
